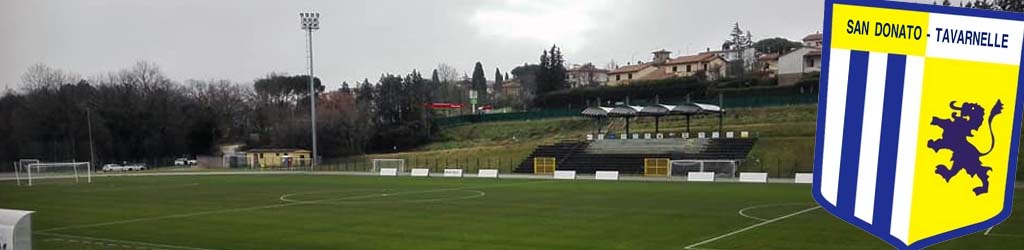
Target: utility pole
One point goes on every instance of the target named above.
(92, 153)
(310, 22)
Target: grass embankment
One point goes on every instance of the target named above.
(786, 141)
(500, 145)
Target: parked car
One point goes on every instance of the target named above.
(185, 162)
(127, 167)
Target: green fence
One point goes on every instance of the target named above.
(500, 117)
(762, 101)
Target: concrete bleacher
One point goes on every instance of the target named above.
(651, 146)
(627, 156)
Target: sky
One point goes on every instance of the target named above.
(242, 40)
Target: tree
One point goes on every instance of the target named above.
(1010, 5)
(739, 42)
(946, 3)
(776, 45)
(446, 73)
(498, 80)
(479, 82)
(552, 71)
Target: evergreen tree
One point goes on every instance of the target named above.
(479, 82)
(498, 80)
(552, 71)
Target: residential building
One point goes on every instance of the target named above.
(768, 65)
(706, 65)
(712, 66)
(626, 74)
(794, 64)
(813, 40)
(748, 56)
(586, 75)
(278, 157)
(512, 88)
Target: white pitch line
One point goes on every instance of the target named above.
(743, 211)
(693, 246)
(122, 242)
(990, 234)
(476, 194)
(243, 209)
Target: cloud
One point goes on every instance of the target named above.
(563, 22)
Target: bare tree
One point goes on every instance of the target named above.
(41, 76)
(612, 65)
(447, 73)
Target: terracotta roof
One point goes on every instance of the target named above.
(812, 37)
(258, 150)
(587, 68)
(656, 75)
(629, 68)
(769, 57)
(704, 57)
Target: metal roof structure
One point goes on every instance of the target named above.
(652, 110)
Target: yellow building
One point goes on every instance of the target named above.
(278, 157)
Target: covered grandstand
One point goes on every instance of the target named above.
(632, 153)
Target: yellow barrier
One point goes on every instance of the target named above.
(656, 167)
(543, 165)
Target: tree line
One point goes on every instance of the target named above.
(140, 114)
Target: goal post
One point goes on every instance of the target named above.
(722, 168)
(398, 164)
(57, 170)
(20, 165)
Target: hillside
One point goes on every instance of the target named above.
(786, 139)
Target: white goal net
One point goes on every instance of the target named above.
(721, 168)
(39, 172)
(397, 164)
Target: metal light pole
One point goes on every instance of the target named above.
(92, 153)
(311, 22)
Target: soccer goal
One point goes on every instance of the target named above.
(721, 168)
(387, 164)
(35, 172)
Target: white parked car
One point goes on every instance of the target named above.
(185, 162)
(128, 167)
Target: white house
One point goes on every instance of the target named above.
(794, 64)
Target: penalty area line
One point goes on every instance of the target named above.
(695, 245)
(125, 243)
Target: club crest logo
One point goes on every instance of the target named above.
(912, 127)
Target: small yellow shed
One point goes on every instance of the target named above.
(278, 157)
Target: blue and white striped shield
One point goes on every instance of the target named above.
(918, 119)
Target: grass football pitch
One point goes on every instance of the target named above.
(361, 212)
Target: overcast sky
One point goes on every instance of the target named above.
(242, 40)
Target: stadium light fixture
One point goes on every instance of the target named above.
(310, 21)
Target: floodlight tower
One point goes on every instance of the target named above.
(310, 22)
